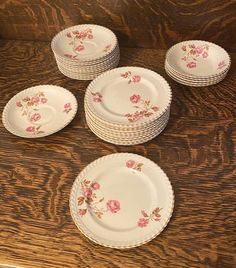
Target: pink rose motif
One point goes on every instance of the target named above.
(142, 222)
(135, 98)
(82, 212)
(184, 48)
(83, 34)
(136, 78)
(130, 163)
(30, 129)
(35, 117)
(18, 104)
(44, 100)
(35, 99)
(97, 99)
(204, 54)
(95, 186)
(199, 50)
(113, 206)
(79, 48)
(191, 64)
(87, 192)
(67, 105)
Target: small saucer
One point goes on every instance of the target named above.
(39, 111)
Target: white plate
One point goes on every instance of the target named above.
(85, 42)
(195, 84)
(128, 96)
(125, 129)
(198, 58)
(94, 63)
(126, 134)
(195, 79)
(128, 141)
(121, 200)
(90, 71)
(39, 111)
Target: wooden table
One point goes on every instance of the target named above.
(196, 150)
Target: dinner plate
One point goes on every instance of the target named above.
(128, 96)
(125, 129)
(39, 111)
(128, 141)
(129, 134)
(121, 200)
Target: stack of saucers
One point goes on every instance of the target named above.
(85, 51)
(127, 105)
(197, 63)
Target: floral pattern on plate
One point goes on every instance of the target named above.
(67, 107)
(89, 198)
(131, 78)
(154, 215)
(29, 107)
(134, 165)
(221, 64)
(34, 130)
(107, 48)
(193, 52)
(76, 41)
(30, 103)
(97, 97)
(144, 108)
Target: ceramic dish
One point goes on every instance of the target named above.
(198, 58)
(85, 42)
(121, 200)
(39, 111)
(128, 96)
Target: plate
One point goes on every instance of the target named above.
(125, 129)
(85, 42)
(195, 79)
(128, 96)
(195, 83)
(39, 111)
(128, 141)
(121, 200)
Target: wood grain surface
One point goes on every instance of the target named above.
(137, 23)
(196, 150)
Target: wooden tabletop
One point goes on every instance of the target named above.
(196, 150)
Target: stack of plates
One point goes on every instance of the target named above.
(121, 200)
(197, 63)
(127, 105)
(85, 51)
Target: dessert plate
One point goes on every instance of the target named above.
(39, 111)
(121, 200)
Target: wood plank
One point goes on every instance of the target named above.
(137, 23)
